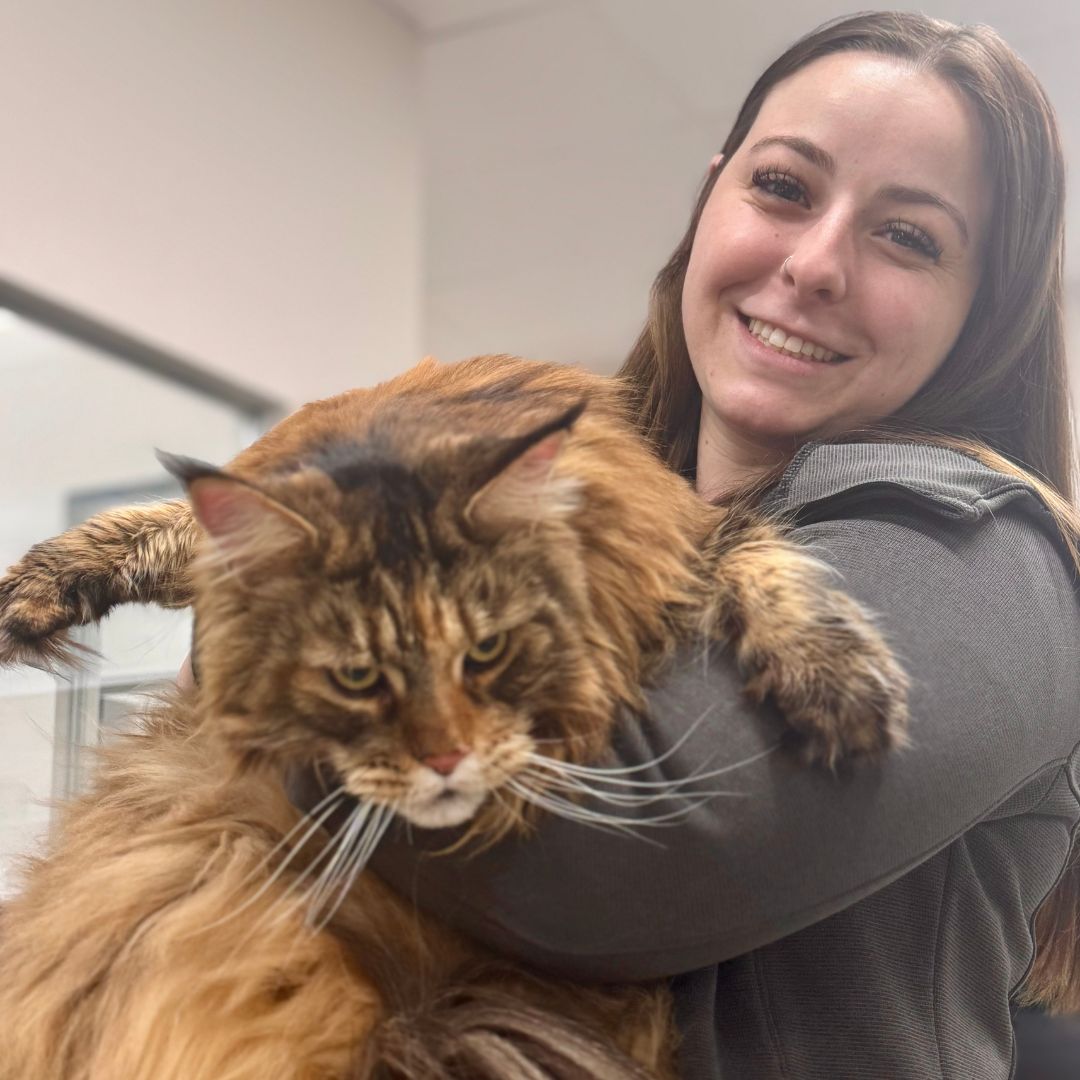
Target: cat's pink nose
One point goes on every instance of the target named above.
(444, 764)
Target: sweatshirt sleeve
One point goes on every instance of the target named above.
(983, 615)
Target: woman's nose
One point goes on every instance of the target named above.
(820, 265)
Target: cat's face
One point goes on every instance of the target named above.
(423, 646)
(430, 691)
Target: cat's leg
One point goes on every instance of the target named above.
(809, 647)
(138, 553)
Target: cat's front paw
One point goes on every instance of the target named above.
(35, 617)
(841, 690)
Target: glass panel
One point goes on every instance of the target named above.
(78, 435)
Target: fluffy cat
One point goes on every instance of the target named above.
(433, 592)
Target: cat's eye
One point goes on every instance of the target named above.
(356, 680)
(484, 653)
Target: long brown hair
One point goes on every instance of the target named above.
(1002, 393)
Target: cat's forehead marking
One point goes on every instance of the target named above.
(437, 617)
(396, 633)
(424, 616)
(390, 501)
(415, 617)
(386, 636)
(354, 464)
(454, 628)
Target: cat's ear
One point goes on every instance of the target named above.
(516, 479)
(246, 526)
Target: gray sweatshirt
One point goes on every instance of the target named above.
(866, 926)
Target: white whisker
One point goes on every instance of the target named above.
(379, 823)
(616, 777)
(340, 847)
(678, 744)
(632, 799)
(314, 826)
(282, 908)
(670, 817)
(546, 777)
(573, 812)
(344, 844)
(333, 795)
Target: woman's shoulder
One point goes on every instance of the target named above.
(829, 479)
(945, 544)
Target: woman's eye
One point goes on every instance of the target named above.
(909, 236)
(356, 680)
(484, 653)
(781, 185)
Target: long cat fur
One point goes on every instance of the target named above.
(161, 935)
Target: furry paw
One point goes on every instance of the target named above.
(35, 618)
(837, 683)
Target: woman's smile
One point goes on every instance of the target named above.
(784, 344)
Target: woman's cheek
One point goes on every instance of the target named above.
(739, 246)
(923, 334)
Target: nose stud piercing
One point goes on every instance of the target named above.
(783, 268)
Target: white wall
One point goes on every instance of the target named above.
(237, 181)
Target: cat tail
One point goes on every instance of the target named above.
(1053, 982)
(136, 554)
(482, 1033)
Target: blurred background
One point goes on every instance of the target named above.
(213, 211)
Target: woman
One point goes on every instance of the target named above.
(887, 215)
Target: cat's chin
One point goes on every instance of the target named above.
(444, 811)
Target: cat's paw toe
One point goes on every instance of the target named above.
(841, 690)
(867, 721)
(34, 627)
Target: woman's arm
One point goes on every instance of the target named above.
(983, 616)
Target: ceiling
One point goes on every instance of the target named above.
(566, 140)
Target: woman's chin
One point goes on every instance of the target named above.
(769, 428)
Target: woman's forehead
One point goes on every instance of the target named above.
(860, 102)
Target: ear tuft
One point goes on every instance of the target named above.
(186, 469)
(245, 525)
(520, 480)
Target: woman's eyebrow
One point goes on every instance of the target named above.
(811, 151)
(920, 197)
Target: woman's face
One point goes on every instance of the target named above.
(847, 229)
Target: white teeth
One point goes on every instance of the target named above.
(780, 340)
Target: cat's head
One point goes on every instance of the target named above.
(413, 615)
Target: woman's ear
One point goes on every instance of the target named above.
(715, 162)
